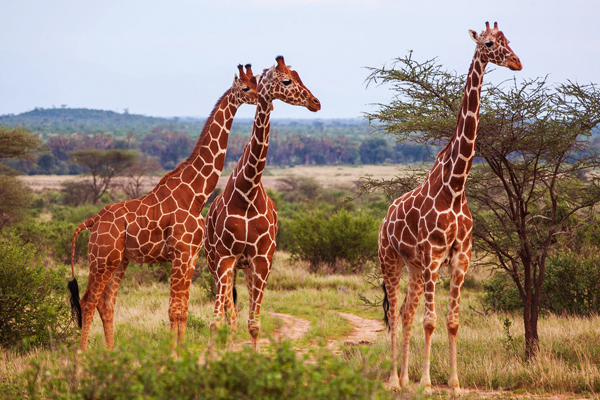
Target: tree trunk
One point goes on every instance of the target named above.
(530, 319)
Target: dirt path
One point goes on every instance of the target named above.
(365, 330)
(292, 328)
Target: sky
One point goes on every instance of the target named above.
(177, 57)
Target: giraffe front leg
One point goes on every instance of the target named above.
(458, 269)
(181, 278)
(106, 305)
(223, 273)
(429, 321)
(409, 307)
(257, 281)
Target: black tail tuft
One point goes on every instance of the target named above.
(386, 306)
(234, 296)
(75, 306)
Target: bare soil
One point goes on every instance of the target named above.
(365, 330)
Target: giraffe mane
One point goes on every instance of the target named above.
(199, 143)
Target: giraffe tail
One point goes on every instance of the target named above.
(234, 289)
(72, 285)
(386, 306)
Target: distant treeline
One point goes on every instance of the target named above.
(169, 141)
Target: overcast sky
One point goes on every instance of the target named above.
(176, 57)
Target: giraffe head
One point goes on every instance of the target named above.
(245, 87)
(493, 47)
(280, 82)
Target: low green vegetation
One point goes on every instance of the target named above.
(141, 371)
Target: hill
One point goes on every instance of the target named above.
(51, 121)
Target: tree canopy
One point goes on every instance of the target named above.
(103, 166)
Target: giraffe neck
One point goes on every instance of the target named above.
(250, 168)
(208, 155)
(458, 155)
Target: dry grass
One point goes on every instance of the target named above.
(489, 359)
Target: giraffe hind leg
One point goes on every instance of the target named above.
(98, 278)
(106, 303)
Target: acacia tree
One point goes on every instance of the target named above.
(136, 176)
(534, 169)
(14, 195)
(103, 166)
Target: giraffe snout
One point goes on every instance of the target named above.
(514, 63)
(314, 104)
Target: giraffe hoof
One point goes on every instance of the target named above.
(394, 382)
(404, 382)
(457, 391)
(426, 388)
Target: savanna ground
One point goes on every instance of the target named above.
(324, 313)
(325, 175)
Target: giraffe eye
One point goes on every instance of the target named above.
(245, 89)
(286, 82)
(489, 44)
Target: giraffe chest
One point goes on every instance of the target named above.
(417, 232)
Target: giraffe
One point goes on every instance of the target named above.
(241, 223)
(431, 225)
(164, 225)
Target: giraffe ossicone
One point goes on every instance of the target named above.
(241, 223)
(164, 225)
(431, 225)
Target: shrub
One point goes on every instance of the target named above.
(76, 193)
(572, 284)
(33, 305)
(144, 372)
(341, 242)
(54, 237)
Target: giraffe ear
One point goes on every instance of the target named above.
(235, 79)
(474, 35)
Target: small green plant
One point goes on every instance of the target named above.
(194, 323)
(508, 341)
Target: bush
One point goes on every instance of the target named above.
(54, 237)
(34, 308)
(571, 286)
(501, 294)
(76, 193)
(342, 242)
(143, 372)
